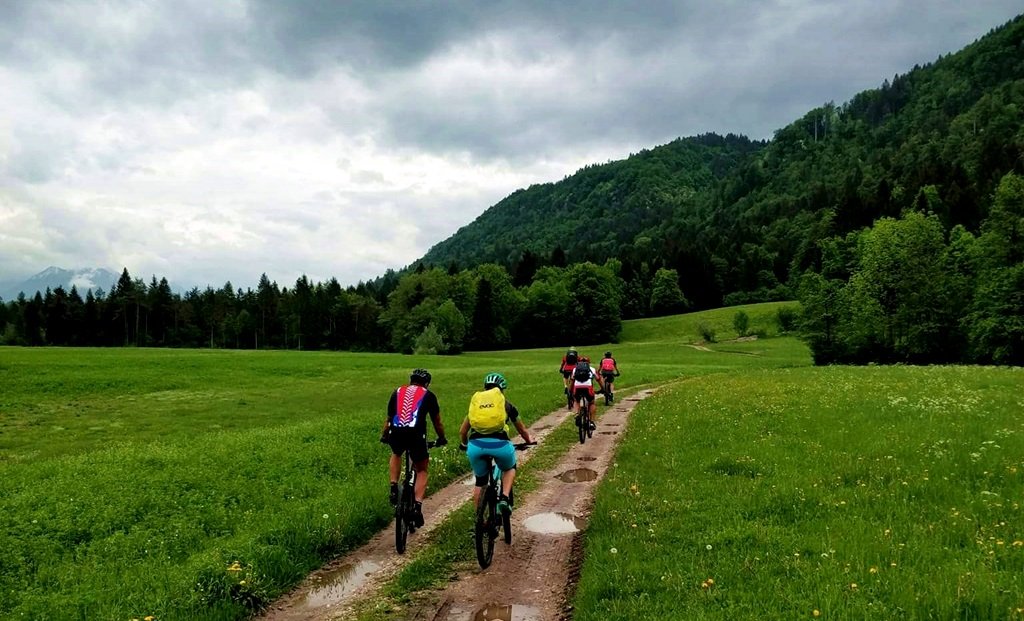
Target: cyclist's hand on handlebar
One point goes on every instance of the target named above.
(384, 438)
(522, 446)
(442, 441)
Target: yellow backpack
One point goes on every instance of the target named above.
(487, 411)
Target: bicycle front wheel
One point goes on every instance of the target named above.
(484, 530)
(506, 518)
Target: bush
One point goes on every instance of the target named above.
(786, 318)
(429, 342)
(706, 332)
(741, 322)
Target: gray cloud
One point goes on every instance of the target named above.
(207, 141)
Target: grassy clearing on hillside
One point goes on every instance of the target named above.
(154, 482)
(849, 493)
(684, 328)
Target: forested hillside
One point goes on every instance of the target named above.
(897, 218)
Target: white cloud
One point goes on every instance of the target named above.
(208, 142)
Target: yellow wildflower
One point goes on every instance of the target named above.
(816, 613)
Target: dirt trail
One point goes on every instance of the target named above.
(540, 561)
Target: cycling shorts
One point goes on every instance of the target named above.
(583, 391)
(608, 376)
(479, 449)
(566, 373)
(402, 440)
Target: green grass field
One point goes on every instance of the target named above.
(201, 484)
(839, 492)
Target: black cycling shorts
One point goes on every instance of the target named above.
(581, 392)
(609, 378)
(566, 374)
(402, 441)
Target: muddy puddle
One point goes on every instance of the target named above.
(587, 458)
(494, 612)
(506, 612)
(608, 433)
(577, 475)
(335, 585)
(554, 523)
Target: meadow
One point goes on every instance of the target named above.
(201, 484)
(831, 492)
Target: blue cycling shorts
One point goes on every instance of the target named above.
(502, 451)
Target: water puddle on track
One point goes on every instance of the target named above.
(587, 458)
(554, 523)
(337, 584)
(608, 433)
(577, 475)
(506, 612)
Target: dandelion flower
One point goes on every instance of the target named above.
(325, 516)
(873, 570)
(708, 546)
(815, 613)
(711, 582)
(704, 584)
(242, 582)
(853, 586)
(614, 550)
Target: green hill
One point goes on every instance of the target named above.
(744, 218)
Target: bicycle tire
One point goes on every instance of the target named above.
(590, 427)
(506, 518)
(403, 515)
(581, 423)
(483, 531)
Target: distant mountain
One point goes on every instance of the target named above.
(52, 277)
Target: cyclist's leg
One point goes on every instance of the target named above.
(397, 445)
(420, 461)
(478, 462)
(505, 457)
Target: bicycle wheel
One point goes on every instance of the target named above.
(403, 515)
(506, 518)
(483, 530)
(590, 427)
(581, 424)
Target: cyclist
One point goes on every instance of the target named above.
(583, 377)
(406, 430)
(484, 434)
(569, 361)
(609, 371)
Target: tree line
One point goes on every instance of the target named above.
(426, 309)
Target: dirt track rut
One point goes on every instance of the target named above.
(541, 562)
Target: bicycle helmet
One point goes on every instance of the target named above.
(607, 354)
(495, 379)
(420, 377)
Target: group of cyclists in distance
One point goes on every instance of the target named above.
(484, 433)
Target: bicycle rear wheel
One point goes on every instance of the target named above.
(403, 515)
(581, 424)
(483, 530)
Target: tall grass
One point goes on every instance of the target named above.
(201, 484)
(844, 493)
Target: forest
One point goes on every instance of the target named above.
(895, 218)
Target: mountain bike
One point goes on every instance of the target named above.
(488, 523)
(405, 509)
(609, 398)
(583, 423)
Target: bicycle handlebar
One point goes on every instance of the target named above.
(522, 446)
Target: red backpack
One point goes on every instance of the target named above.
(608, 365)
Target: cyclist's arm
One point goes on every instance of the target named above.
(464, 431)
(435, 416)
(523, 431)
(392, 407)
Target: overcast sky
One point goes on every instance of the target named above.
(208, 141)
